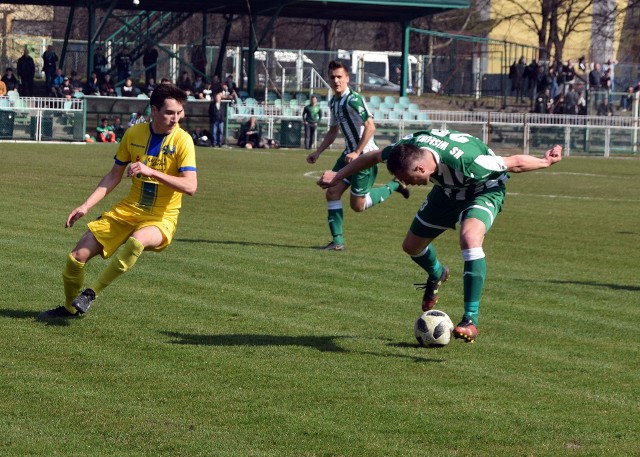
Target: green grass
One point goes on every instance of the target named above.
(242, 340)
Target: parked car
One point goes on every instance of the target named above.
(374, 82)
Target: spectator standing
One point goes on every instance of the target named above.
(26, 72)
(123, 64)
(10, 79)
(609, 67)
(49, 66)
(571, 100)
(100, 63)
(626, 102)
(518, 79)
(595, 83)
(150, 62)
(568, 76)
(104, 132)
(217, 118)
(531, 76)
(311, 115)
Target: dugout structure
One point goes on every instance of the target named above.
(153, 20)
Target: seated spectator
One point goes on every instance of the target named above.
(65, 90)
(118, 128)
(56, 82)
(137, 118)
(3, 88)
(604, 108)
(544, 102)
(207, 92)
(92, 86)
(104, 132)
(626, 102)
(107, 88)
(198, 87)
(185, 84)
(250, 134)
(10, 80)
(201, 137)
(150, 86)
(75, 82)
(559, 105)
(128, 90)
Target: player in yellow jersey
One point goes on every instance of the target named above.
(162, 166)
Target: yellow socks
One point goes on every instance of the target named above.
(124, 259)
(73, 278)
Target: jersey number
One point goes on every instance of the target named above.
(457, 137)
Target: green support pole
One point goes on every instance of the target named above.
(67, 34)
(91, 8)
(223, 46)
(405, 58)
(251, 65)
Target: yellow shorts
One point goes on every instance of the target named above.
(114, 227)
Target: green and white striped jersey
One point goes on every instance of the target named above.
(465, 165)
(350, 112)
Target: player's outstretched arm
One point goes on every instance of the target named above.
(522, 162)
(331, 178)
(106, 185)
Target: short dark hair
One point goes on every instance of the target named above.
(335, 64)
(402, 156)
(165, 91)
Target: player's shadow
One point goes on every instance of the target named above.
(598, 284)
(321, 343)
(22, 314)
(244, 243)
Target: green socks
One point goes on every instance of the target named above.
(475, 272)
(428, 261)
(335, 218)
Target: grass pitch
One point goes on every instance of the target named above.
(242, 339)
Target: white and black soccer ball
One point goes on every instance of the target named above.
(433, 329)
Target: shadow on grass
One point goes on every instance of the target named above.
(22, 314)
(597, 284)
(321, 343)
(246, 243)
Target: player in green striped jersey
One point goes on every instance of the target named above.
(349, 113)
(469, 188)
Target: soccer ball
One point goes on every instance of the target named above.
(433, 329)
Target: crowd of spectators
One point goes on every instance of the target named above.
(563, 88)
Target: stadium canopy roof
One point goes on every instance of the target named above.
(355, 10)
(386, 11)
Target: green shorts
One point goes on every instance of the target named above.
(439, 212)
(362, 182)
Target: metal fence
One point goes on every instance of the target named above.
(504, 132)
(41, 119)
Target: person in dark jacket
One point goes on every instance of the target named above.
(26, 72)
(217, 118)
